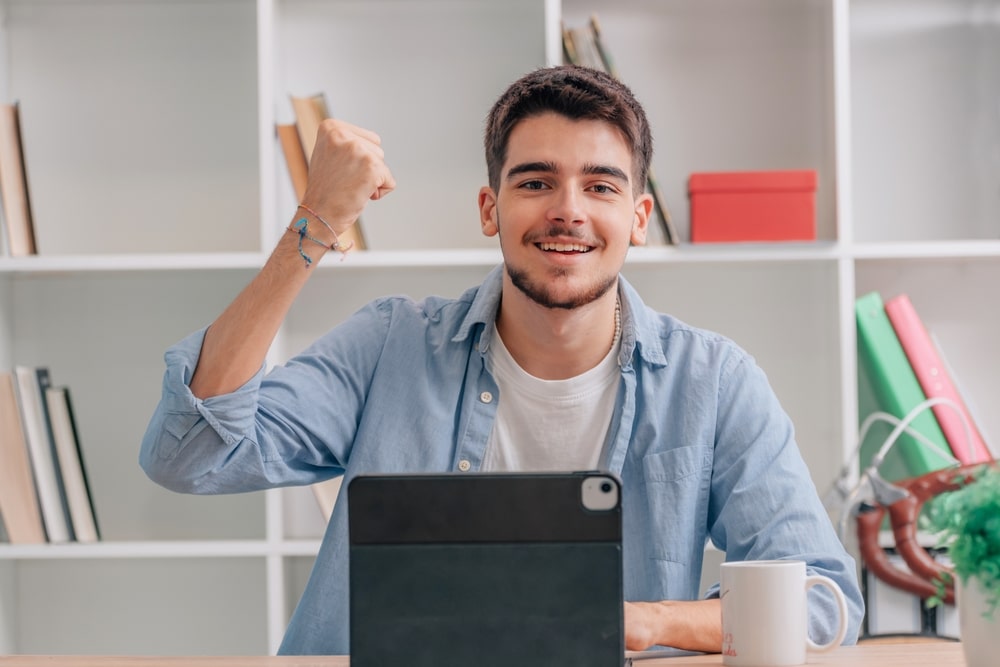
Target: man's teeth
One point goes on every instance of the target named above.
(564, 247)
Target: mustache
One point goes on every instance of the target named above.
(561, 231)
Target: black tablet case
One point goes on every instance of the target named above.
(483, 570)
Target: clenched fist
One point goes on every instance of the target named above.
(347, 169)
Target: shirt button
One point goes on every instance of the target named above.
(486, 397)
(464, 465)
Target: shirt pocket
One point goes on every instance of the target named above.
(677, 486)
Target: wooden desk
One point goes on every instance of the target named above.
(916, 654)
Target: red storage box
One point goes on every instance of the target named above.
(753, 206)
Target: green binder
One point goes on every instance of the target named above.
(886, 382)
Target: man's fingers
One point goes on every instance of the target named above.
(357, 130)
(343, 131)
(387, 185)
(338, 133)
(347, 170)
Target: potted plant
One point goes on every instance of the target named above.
(968, 521)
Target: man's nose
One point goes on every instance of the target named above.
(568, 206)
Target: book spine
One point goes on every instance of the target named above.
(895, 388)
(295, 157)
(18, 496)
(970, 403)
(44, 384)
(70, 454)
(967, 446)
(14, 184)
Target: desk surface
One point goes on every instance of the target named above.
(918, 654)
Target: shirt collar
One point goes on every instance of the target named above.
(640, 328)
(483, 311)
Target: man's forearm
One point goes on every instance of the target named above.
(689, 625)
(347, 170)
(237, 342)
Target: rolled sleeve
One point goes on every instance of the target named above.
(215, 427)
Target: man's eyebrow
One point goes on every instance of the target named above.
(528, 167)
(550, 167)
(606, 170)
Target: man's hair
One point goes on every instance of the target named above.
(578, 93)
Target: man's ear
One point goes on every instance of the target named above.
(640, 223)
(488, 211)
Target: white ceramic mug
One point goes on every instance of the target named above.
(764, 613)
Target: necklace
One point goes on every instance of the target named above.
(618, 322)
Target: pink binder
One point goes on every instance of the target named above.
(933, 376)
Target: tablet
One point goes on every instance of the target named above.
(486, 569)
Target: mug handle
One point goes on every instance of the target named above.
(820, 580)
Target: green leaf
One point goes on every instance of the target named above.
(968, 520)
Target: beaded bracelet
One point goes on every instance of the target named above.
(337, 245)
(301, 227)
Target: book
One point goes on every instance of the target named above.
(886, 382)
(31, 383)
(295, 157)
(936, 381)
(570, 54)
(585, 46)
(310, 111)
(970, 403)
(660, 208)
(71, 463)
(580, 48)
(44, 383)
(4, 241)
(19, 508)
(14, 184)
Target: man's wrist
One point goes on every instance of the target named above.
(692, 625)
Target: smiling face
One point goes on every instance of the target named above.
(565, 209)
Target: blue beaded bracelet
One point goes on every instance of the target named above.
(301, 227)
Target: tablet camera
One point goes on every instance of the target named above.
(599, 493)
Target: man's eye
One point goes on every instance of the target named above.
(533, 185)
(603, 189)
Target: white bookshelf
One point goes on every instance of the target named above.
(158, 191)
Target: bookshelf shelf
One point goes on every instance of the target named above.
(164, 194)
(150, 549)
(161, 549)
(938, 250)
(55, 264)
(736, 252)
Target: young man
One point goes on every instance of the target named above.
(552, 363)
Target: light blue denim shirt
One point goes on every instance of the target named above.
(702, 447)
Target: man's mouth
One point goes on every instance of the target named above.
(564, 247)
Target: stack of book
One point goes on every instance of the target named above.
(44, 492)
(900, 367)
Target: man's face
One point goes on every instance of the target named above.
(565, 211)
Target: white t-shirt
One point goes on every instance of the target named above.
(550, 425)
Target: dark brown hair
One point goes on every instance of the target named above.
(578, 93)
